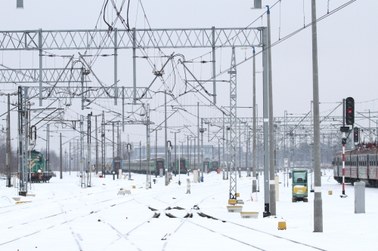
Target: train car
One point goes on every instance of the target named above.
(37, 167)
(214, 166)
(361, 164)
(156, 166)
(138, 166)
(183, 167)
(210, 165)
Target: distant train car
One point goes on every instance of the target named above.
(38, 172)
(138, 166)
(156, 166)
(211, 165)
(361, 164)
(183, 167)
(214, 166)
(159, 166)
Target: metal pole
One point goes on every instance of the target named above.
(201, 152)
(61, 156)
(134, 64)
(248, 135)
(40, 78)
(140, 155)
(103, 144)
(188, 151)
(48, 147)
(272, 197)
(115, 65)
(254, 160)
(82, 174)
(89, 139)
(213, 59)
(198, 139)
(318, 207)
(96, 139)
(165, 140)
(8, 146)
(156, 148)
(69, 158)
(343, 142)
(175, 161)
(113, 142)
(128, 155)
(266, 122)
(148, 146)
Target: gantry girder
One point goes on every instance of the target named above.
(289, 120)
(285, 126)
(49, 75)
(123, 39)
(74, 91)
(135, 39)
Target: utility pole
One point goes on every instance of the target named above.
(266, 123)
(165, 140)
(148, 147)
(48, 147)
(89, 150)
(254, 155)
(198, 143)
(156, 150)
(203, 169)
(272, 173)
(61, 157)
(69, 158)
(128, 147)
(82, 173)
(318, 204)
(22, 139)
(113, 142)
(96, 139)
(175, 150)
(8, 146)
(103, 152)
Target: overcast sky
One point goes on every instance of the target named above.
(347, 44)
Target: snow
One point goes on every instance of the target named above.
(61, 215)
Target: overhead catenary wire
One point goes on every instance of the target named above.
(286, 37)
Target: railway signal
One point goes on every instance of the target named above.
(349, 111)
(356, 134)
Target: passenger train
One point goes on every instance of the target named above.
(361, 164)
(157, 166)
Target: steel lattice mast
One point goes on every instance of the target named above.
(233, 126)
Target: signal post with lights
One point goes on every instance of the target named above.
(348, 120)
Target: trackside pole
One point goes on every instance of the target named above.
(343, 195)
(348, 119)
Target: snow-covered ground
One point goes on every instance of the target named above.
(61, 215)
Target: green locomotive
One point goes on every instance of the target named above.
(37, 167)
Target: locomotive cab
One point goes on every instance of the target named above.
(299, 185)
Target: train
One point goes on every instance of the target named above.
(361, 164)
(157, 166)
(37, 167)
(211, 165)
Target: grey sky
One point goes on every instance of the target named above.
(348, 44)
